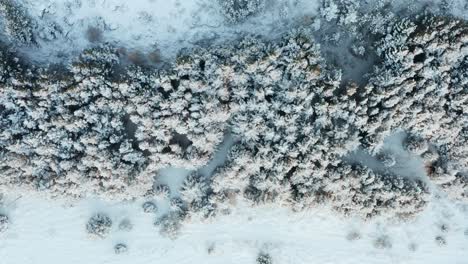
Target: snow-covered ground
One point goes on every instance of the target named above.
(146, 25)
(66, 27)
(44, 231)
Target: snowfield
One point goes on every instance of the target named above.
(54, 231)
(148, 25)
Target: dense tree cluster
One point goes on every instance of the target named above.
(103, 126)
(422, 88)
(17, 24)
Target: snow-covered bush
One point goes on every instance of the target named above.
(413, 247)
(125, 225)
(415, 145)
(353, 235)
(264, 258)
(4, 223)
(169, 224)
(161, 191)
(387, 159)
(120, 248)
(440, 241)
(99, 225)
(383, 242)
(194, 188)
(177, 205)
(149, 207)
(94, 34)
(239, 10)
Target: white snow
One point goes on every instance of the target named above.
(174, 177)
(44, 231)
(406, 164)
(146, 25)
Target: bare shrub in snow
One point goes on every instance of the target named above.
(120, 248)
(161, 191)
(125, 225)
(444, 228)
(99, 225)
(169, 224)
(264, 258)
(383, 242)
(177, 205)
(352, 236)
(94, 34)
(387, 159)
(149, 207)
(413, 247)
(211, 249)
(4, 223)
(440, 241)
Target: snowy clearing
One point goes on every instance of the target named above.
(54, 231)
(149, 25)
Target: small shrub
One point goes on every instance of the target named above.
(162, 191)
(440, 241)
(125, 225)
(120, 248)
(99, 225)
(264, 258)
(413, 247)
(383, 242)
(149, 207)
(94, 34)
(352, 236)
(4, 223)
(239, 10)
(444, 228)
(177, 204)
(211, 249)
(169, 225)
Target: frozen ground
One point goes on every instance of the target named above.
(65, 27)
(54, 232)
(146, 25)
